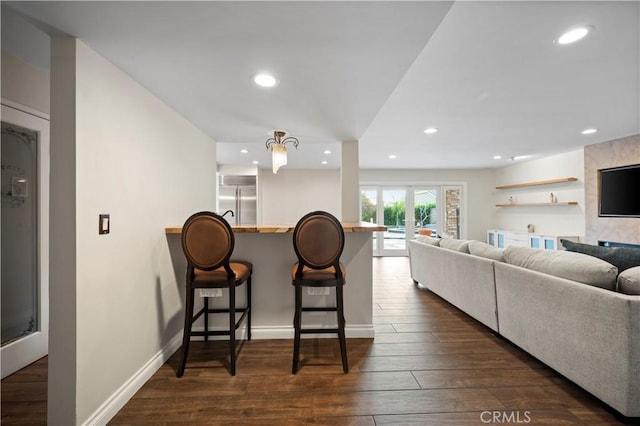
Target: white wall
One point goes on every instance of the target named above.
(479, 183)
(24, 83)
(139, 161)
(554, 220)
(63, 344)
(292, 193)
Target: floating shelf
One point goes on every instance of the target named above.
(565, 203)
(540, 182)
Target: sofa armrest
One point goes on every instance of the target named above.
(588, 334)
(463, 280)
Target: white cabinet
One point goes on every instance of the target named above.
(501, 238)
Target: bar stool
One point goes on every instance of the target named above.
(208, 242)
(318, 240)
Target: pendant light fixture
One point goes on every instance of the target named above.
(278, 149)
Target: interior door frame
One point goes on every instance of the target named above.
(29, 349)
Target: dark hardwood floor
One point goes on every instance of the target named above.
(430, 364)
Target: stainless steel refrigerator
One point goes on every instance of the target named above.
(238, 194)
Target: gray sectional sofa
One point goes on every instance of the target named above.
(561, 307)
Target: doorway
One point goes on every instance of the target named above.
(408, 210)
(24, 256)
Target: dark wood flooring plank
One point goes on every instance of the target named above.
(23, 412)
(484, 378)
(35, 372)
(538, 417)
(543, 397)
(404, 402)
(24, 391)
(405, 338)
(597, 417)
(352, 382)
(325, 421)
(433, 362)
(423, 348)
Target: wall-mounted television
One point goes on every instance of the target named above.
(618, 194)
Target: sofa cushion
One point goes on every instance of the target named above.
(565, 264)
(453, 244)
(621, 257)
(428, 240)
(478, 248)
(629, 281)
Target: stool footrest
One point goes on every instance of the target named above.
(210, 333)
(320, 309)
(223, 311)
(244, 312)
(318, 330)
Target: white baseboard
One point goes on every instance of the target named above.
(286, 332)
(120, 397)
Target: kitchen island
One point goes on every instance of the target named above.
(270, 249)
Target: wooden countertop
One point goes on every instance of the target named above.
(283, 229)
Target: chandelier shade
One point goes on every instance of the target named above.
(278, 157)
(278, 149)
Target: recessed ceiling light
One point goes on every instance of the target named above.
(392, 157)
(244, 151)
(265, 80)
(518, 157)
(255, 162)
(324, 162)
(497, 157)
(430, 130)
(326, 151)
(589, 131)
(573, 35)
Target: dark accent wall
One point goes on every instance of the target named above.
(615, 153)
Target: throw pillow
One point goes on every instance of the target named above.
(629, 281)
(621, 257)
(428, 240)
(457, 245)
(564, 264)
(481, 249)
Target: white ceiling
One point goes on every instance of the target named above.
(486, 74)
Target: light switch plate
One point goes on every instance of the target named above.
(103, 224)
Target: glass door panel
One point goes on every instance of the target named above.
(369, 211)
(425, 203)
(24, 262)
(19, 225)
(394, 216)
(410, 210)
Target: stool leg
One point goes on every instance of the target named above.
(186, 336)
(297, 324)
(249, 307)
(232, 327)
(340, 312)
(206, 318)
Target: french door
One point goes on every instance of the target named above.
(24, 156)
(409, 210)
